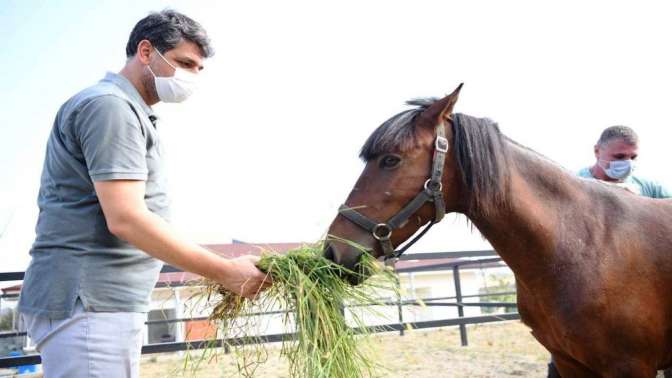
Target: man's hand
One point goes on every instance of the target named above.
(242, 277)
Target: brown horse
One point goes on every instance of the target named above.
(593, 262)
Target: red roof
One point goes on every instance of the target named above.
(426, 263)
(422, 263)
(228, 251)
(11, 289)
(239, 249)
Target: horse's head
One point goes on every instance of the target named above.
(410, 179)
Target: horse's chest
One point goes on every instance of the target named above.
(548, 316)
(561, 322)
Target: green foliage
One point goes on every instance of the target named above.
(6, 319)
(499, 284)
(314, 291)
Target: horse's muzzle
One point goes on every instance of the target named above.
(348, 260)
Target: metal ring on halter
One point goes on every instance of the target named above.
(433, 183)
(382, 237)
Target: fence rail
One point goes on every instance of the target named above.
(461, 321)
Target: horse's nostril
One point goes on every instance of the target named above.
(329, 252)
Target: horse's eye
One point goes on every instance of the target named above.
(389, 161)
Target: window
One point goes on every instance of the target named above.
(161, 332)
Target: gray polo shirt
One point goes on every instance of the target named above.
(104, 132)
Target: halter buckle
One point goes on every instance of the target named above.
(441, 144)
(433, 186)
(385, 236)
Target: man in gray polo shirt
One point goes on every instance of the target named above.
(102, 227)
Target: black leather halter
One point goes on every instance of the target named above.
(432, 192)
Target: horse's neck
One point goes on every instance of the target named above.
(525, 233)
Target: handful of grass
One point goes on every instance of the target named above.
(313, 292)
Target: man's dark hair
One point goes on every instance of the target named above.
(165, 30)
(625, 133)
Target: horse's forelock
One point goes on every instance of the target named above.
(397, 134)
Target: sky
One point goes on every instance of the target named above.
(267, 149)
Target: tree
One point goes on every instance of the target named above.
(499, 284)
(7, 320)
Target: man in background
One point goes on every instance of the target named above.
(615, 160)
(616, 154)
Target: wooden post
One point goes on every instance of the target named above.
(460, 309)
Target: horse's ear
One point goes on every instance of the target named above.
(441, 109)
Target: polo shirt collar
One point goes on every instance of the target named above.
(130, 90)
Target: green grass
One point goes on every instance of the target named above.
(313, 290)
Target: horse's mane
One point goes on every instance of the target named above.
(483, 158)
(480, 150)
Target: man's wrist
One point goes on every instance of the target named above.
(221, 270)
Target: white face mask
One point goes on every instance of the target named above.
(176, 88)
(618, 169)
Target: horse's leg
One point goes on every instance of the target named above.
(552, 370)
(631, 369)
(570, 368)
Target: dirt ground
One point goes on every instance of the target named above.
(495, 350)
(498, 350)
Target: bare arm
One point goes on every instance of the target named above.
(129, 219)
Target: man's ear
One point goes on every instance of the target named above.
(144, 51)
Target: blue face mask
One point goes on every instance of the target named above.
(618, 169)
